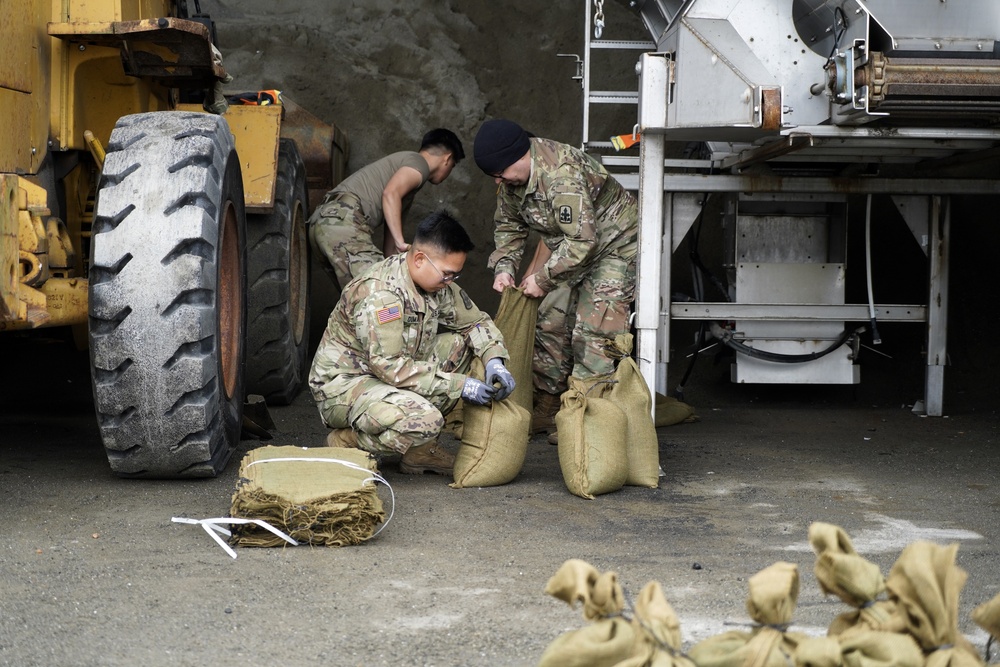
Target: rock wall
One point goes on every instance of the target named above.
(387, 71)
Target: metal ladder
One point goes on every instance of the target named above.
(592, 29)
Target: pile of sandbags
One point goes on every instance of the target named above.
(607, 435)
(321, 496)
(607, 424)
(906, 620)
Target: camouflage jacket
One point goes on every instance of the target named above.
(384, 326)
(581, 212)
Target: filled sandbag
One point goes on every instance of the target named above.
(858, 582)
(774, 592)
(651, 637)
(925, 582)
(494, 441)
(319, 496)
(516, 317)
(668, 411)
(628, 390)
(578, 582)
(867, 649)
(658, 630)
(605, 643)
(987, 616)
(593, 452)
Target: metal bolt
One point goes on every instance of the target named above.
(83, 47)
(937, 45)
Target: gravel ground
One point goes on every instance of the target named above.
(93, 572)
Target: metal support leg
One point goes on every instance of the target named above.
(651, 246)
(937, 305)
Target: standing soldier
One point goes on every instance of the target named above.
(589, 226)
(343, 227)
(383, 376)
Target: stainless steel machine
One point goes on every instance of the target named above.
(802, 108)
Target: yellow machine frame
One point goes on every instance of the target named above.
(69, 69)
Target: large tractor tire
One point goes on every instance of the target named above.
(168, 296)
(278, 284)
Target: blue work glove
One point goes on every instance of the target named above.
(496, 372)
(477, 392)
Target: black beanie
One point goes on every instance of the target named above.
(499, 144)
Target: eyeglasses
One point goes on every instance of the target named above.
(446, 277)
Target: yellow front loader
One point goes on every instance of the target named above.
(171, 238)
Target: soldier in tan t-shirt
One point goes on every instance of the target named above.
(343, 227)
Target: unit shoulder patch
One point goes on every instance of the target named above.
(567, 209)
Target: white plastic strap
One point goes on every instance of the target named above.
(213, 528)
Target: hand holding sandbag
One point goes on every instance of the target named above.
(477, 392)
(497, 372)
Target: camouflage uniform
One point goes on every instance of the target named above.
(340, 231)
(383, 369)
(342, 228)
(590, 223)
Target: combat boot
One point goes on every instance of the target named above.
(342, 437)
(427, 458)
(544, 416)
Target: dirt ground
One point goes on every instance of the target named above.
(94, 573)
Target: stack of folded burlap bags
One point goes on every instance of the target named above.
(321, 496)
(906, 620)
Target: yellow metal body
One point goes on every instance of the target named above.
(69, 69)
(255, 131)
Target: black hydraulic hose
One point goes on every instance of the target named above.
(726, 338)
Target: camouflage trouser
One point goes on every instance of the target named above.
(389, 420)
(577, 324)
(340, 233)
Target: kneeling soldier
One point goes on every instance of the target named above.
(397, 349)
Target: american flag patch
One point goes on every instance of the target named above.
(388, 314)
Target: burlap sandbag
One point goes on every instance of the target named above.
(605, 643)
(516, 317)
(651, 639)
(987, 616)
(669, 411)
(925, 583)
(866, 649)
(629, 392)
(774, 592)
(593, 453)
(494, 441)
(658, 631)
(325, 496)
(578, 582)
(856, 581)
(840, 570)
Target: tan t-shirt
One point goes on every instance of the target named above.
(368, 183)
